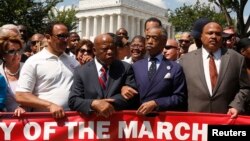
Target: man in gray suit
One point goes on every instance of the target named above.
(216, 76)
(97, 84)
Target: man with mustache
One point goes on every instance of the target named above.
(216, 76)
(160, 82)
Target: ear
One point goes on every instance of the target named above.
(47, 36)
(242, 51)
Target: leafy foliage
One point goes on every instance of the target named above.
(66, 15)
(232, 7)
(184, 17)
(31, 13)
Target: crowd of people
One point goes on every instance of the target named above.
(205, 70)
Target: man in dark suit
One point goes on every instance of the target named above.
(97, 84)
(161, 83)
(216, 77)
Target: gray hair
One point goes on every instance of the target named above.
(7, 28)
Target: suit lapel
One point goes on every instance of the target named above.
(200, 69)
(159, 75)
(225, 57)
(94, 75)
(144, 77)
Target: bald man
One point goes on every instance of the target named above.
(97, 84)
(171, 51)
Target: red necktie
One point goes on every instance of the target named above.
(212, 71)
(103, 78)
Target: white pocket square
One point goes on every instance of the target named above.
(167, 76)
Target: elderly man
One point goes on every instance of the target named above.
(44, 89)
(161, 83)
(97, 84)
(184, 42)
(171, 51)
(216, 76)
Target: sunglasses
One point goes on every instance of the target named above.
(61, 36)
(35, 42)
(89, 51)
(186, 41)
(229, 37)
(169, 47)
(13, 52)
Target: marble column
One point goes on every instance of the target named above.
(126, 22)
(111, 23)
(95, 27)
(137, 26)
(87, 27)
(132, 27)
(119, 21)
(80, 27)
(103, 26)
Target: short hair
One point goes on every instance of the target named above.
(4, 30)
(141, 38)
(50, 26)
(72, 33)
(153, 19)
(4, 42)
(164, 32)
(116, 39)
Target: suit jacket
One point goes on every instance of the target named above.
(232, 87)
(167, 87)
(86, 86)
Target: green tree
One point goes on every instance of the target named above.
(232, 7)
(184, 17)
(31, 13)
(66, 15)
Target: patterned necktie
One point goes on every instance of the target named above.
(212, 71)
(103, 78)
(152, 68)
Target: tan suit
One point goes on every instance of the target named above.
(232, 88)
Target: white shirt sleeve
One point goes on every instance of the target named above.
(27, 77)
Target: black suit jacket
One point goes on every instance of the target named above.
(86, 86)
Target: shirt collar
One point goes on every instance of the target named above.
(48, 55)
(159, 57)
(205, 53)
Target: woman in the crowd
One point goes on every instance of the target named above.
(10, 53)
(137, 49)
(84, 51)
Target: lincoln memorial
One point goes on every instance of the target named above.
(100, 16)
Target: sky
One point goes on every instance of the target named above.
(171, 4)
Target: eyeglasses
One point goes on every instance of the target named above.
(35, 42)
(61, 36)
(169, 47)
(136, 46)
(229, 37)
(82, 50)
(13, 52)
(186, 41)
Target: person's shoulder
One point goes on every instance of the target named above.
(140, 62)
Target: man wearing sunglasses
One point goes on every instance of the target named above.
(171, 51)
(229, 37)
(185, 42)
(47, 76)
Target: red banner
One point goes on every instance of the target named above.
(125, 125)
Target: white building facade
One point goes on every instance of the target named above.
(102, 16)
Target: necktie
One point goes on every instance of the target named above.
(152, 68)
(212, 71)
(103, 78)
